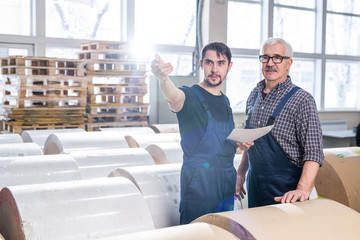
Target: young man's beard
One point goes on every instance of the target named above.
(210, 84)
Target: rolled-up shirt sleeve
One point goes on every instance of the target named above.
(309, 131)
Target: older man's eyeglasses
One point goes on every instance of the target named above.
(276, 59)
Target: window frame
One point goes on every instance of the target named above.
(319, 55)
(37, 42)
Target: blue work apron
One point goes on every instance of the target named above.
(208, 176)
(270, 172)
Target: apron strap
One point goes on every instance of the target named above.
(202, 100)
(205, 105)
(229, 110)
(276, 112)
(281, 105)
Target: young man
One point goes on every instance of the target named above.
(205, 119)
(282, 165)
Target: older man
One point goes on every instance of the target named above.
(282, 165)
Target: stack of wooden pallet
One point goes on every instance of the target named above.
(117, 86)
(42, 93)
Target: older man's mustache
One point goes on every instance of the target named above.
(271, 68)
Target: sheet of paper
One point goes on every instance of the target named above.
(248, 135)
(343, 153)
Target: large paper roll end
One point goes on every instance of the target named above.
(10, 220)
(338, 179)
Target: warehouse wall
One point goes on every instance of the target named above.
(159, 111)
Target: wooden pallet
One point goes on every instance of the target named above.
(43, 102)
(129, 98)
(41, 71)
(46, 81)
(57, 120)
(21, 116)
(21, 113)
(27, 61)
(49, 91)
(116, 90)
(117, 79)
(104, 89)
(42, 66)
(106, 54)
(101, 45)
(125, 117)
(10, 128)
(102, 109)
(18, 119)
(128, 67)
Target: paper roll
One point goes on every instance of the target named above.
(101, 162)
(195, 231)
(164, 153)
(10, 138)
(130, 130)
(73, 141)
(339, 179)
(19, 149)
(37, 169)
(318, 218)
(86, 209)
(160, 186)
(143, 140)
(165, 128)
(40, 136)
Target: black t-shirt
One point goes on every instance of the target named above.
(193, 119)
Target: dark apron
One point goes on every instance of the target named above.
(208, 176)
(271, 173)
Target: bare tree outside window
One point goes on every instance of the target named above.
(86, 19)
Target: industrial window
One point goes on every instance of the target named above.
(15, 17)
(97, 19)
(324, 38)
(170, 32)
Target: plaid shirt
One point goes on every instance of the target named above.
(297, 128)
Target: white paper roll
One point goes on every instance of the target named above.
(101, 162)
(10, 138)
(143, 140)
(19, 149)
(40, 136)
(195, 231)
(164, 153)
(165, 128)
(73, 141)
(86, 209)
(318, 218)
(37, 169)
(160, 186)
(130, 130)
